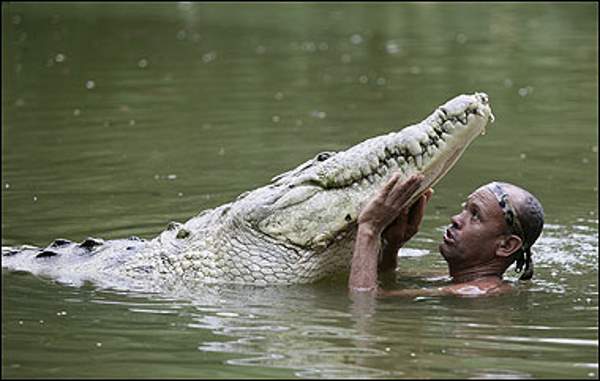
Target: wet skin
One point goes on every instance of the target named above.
(476, 246)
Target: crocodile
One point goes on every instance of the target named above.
(297, 229)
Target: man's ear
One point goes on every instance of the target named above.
(508, 245)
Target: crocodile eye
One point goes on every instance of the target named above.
(323, 156)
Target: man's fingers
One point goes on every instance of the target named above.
(417, 211)
(402, 191)
(428, 194)
(390, 184)
(396, 230)
(408, 187)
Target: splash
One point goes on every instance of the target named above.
(572, 249)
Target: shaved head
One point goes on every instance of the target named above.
(529, 211)
(529, 216)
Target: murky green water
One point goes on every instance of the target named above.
(120, 118)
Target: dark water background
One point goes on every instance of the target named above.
(117, 119)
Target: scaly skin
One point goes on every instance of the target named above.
(298, 229)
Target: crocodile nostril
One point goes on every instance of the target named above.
(484, 98)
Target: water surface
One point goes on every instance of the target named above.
(118, 119)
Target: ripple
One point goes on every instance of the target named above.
(348, 371)
(498, 374)
(152, 311)
(329, 332)
(551, 340)
(346, 352)
(572, 248)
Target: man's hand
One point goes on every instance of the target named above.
(384, 208)
(408, 223)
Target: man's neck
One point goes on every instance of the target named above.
(473, 273)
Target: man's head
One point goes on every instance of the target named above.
(497, 226)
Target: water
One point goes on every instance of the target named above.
(118, 119)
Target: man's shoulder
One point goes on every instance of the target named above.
(478, 288)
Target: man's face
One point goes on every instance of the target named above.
(476, 231)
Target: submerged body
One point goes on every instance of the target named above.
(297, 229)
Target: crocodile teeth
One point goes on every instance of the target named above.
(444, 112)
(431, 150)
(440, 116)
(347, 177)
(419, 161)
(365, 170)
(447, 126)
(414, 148)
(388, 152)
(432, 134)
(392, 163)
(441, 144)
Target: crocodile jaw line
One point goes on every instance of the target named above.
(318, 202)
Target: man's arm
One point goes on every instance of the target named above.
(389, 256)
(468, 290)
(383, 211)
(393, 238)
(363, 271)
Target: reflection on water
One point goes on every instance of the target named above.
(118, 119)
(546, 329)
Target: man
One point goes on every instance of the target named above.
(497, 226)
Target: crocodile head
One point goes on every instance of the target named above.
(316, 204)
